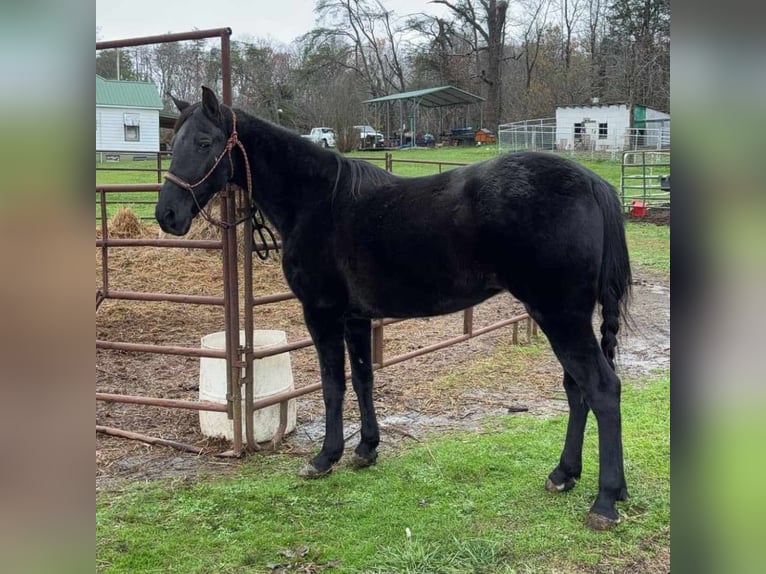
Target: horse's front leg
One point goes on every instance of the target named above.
(358, 340)
(326, 328)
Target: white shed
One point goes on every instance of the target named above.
(127, 117)
(611, 126)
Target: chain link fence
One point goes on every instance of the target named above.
(544, 134)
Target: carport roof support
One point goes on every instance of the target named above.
(433, 97)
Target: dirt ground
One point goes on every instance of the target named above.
(408, 399)
(656, 216)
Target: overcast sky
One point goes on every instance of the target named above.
(277, 20)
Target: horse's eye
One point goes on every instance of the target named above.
(204, 144)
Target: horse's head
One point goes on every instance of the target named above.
(200, 164)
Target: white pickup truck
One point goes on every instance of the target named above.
(322, 136)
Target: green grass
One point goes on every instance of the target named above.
(490, 373)
(727, 433)
(106, 175)
(116, 201)
(649, 246)
(473, 502)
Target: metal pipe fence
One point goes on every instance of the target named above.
(116, 157)
(645, 180)
(136, 194)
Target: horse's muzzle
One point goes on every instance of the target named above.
(170, 222)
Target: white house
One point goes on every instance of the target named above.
(611, 126)
(127, 117)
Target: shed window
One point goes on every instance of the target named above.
(132, 123)
(602, 131)
(132, 133)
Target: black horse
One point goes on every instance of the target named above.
(360, 243)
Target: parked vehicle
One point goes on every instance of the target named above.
(368, 137)
(322, 136)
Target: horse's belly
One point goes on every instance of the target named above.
(416, 302)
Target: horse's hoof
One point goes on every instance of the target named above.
(310, 471)
(358, 461)
(600, 522)
(551, 486)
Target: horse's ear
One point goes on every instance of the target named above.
(180, 104)
(210, 103)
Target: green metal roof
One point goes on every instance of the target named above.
(433, 97)
(127, 94)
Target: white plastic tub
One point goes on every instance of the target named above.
(271, 375)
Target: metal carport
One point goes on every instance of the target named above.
(430, 98)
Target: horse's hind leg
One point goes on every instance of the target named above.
(326, 328)
(572, 339)
(357, 335)
(566, 474)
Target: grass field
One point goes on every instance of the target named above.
(649, 246)
(128, 171)
(473, 502)
(142, 203)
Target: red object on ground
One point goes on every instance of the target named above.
(638, 209)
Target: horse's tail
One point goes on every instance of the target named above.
(615, 278)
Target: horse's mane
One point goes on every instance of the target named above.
(360, 173)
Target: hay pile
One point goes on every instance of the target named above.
(125, 224)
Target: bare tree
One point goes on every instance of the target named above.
(327, 91)
(446, 54)
(638, 45)
(571, 10)
(371, 40)
(487, 25)
(261, 78)
(534, 21)
(594, 33)
(525, 61)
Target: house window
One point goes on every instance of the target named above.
(132, 127)
(578, 131)
(602, 131)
